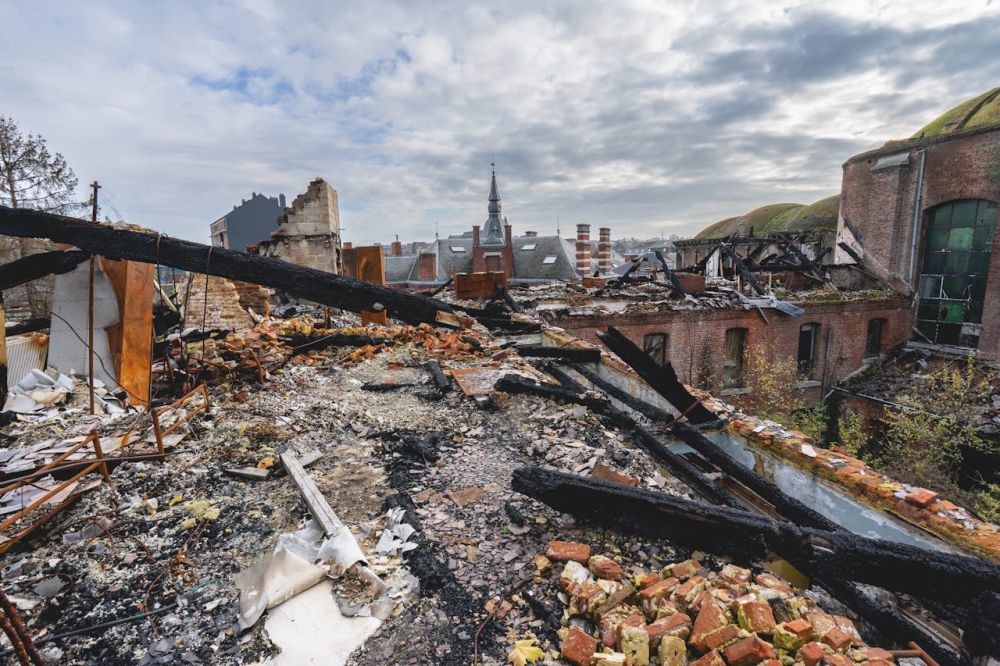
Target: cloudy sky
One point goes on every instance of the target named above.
(649, 117)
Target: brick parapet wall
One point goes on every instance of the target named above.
(697, 337)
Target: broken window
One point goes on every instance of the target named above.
(953, 275)
(873, 343)
(655, 346)
(732, 367)
(807, 348)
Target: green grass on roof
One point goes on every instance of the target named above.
(779, 218)
(987, 115)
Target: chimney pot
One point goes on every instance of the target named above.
(583, 249)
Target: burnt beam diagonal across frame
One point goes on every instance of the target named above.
(662, 379)
(117, 242)
(894, 566)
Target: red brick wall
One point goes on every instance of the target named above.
(700, 334)
(879, 206)
(427, 266)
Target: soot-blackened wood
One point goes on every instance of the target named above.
(651, 412)
(307, 343)
(683, 470)
(321, 287)
(662, 379)
(441, 381)
(743, 270)
(836, 554)
(518, 384)
(29, 326)
(504, 293)
(572, 354)
(36, 266)
(674, 282)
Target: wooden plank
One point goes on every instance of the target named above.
(317, 504)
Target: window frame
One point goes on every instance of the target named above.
(806, 366)
(880, 322)
(732, 368)
(663, 347)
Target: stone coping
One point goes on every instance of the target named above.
(920, 507)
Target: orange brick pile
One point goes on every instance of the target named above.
(686, 613)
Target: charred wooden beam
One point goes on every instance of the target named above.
(504, 294)
(890, 565)
(651, 412)
(662, 379)
(517, 384)
(687, 473)
(36, 266)
(743, 270)
(307, 343)
(29, 326)
(321, 287)
(573, 354)
(675, 284)
(441, 381)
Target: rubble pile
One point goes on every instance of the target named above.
(687, 612)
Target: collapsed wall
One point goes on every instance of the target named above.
(308, 232)
(32, 299)
(217, 303)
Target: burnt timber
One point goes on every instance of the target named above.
(130, 243)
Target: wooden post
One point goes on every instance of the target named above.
(3, 352)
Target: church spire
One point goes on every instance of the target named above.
(494, 226)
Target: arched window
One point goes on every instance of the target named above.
(953, 275)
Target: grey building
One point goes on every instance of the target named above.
(248, 223)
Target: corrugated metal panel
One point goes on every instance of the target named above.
(24, 353)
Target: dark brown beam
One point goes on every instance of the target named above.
(39, 265)
(662, 379)
(150, 247)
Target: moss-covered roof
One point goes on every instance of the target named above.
(976, 112)
(779, 218)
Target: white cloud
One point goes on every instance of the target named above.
(637, 115)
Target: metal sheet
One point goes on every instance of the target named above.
(25, 353)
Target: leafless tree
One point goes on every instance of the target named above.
(33, 177)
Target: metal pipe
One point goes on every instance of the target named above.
(918, 195)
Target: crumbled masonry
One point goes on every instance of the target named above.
(454, 490)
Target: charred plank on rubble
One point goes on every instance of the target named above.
(321, 287)
(29, 326)
(573, 354)
(441, 381)
(662, 379)
(651, 412)
(517, 384)
(890, 565)
(305, 343)
(36, 266)
(675, 284)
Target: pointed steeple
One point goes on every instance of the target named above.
(493, 229)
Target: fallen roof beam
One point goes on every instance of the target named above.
(743, 270)
(118, 242)
(682, 469)
(890, 565)
(674, 282)
(662, 379)
(36, 266)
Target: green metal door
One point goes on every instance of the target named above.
(953, 276)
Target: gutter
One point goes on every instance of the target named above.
(918, 195)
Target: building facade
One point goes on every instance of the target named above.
(248, 223)
(308, 231)
(922, 213)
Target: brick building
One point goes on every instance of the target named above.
(921, 213)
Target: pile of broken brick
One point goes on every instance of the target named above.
(688, 611)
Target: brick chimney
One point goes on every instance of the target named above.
(475, 235)
(397, 248)
(427, 266)
(348, 245)
(583, 249)
(604, 250)
(531, 234)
